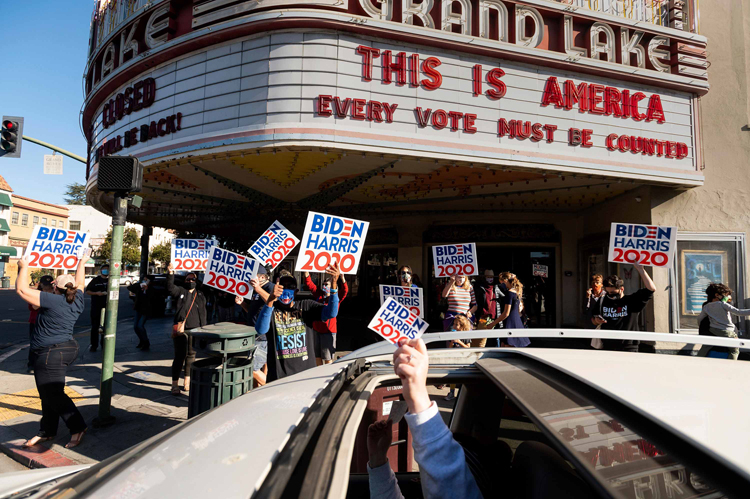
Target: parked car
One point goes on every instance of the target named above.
(629, 425)
(127, 280)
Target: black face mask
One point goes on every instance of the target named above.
(615, 296)
(191, 284)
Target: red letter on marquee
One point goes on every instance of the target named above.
(341, 111)
(575, 95)
(655, 111)
(552, 93)
(423, 117)
(574, 137)
(368, 54)
(596, 97)
(389, 109)
(550, 129)
(455, 119)
(324, 105)
(476, 77)
(612, 101)
(499, 88)
(358, 109)
(414, 70)
(399, 67)
(586, 137)
(428, 68)
(611, 141)
(634, 99)
(469, 120)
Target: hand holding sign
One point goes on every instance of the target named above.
(642, 244)
(395, 322)
(410, 363)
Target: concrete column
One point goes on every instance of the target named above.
(411, 245)
(147, 231)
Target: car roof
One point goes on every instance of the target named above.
(226, 452)
(701, 398)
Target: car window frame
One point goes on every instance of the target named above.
(693, 456)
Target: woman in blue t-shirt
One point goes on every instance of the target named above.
(53, 349)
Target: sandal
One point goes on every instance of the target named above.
(40, 440)
(77, 441)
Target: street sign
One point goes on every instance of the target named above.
(53, 164)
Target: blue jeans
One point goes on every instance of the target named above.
(139, 325)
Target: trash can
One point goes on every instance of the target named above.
(228, 371)
(6, 282)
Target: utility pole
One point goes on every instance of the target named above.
(119, 214)
(121, 175)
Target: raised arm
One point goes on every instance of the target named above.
(81, 270)
(173, 290)
(647, 281)
(27, 294)
(310, 284)
(448, 286)
(736, 311)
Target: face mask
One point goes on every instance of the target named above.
(613, 296)
(105, 271)
(405, 276)
(460, 281)
(144, 285)
(725, 299)
(191, 284)
(597, 288)
(287, 296)
(326, 289)
(489, 280)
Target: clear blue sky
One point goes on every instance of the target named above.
(42, 81)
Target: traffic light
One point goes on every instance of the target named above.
(120, 173)
(11, 137)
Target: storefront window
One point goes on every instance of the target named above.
(702, 259)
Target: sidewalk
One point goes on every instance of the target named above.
(141, 400)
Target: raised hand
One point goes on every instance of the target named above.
(379, 436)
(410, 363)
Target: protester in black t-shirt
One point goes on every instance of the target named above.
(289, 324)
(619, 312)
(97, 290)
(53, 348)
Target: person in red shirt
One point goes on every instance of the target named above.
(325, 342)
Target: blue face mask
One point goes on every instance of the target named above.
(105, 271)
(287, 296)
(326, 289)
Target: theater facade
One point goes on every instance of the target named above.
(527, 127)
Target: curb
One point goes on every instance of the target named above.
(37, 457)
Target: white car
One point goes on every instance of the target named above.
(127, 280)
(627, 425)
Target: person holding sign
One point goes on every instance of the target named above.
(461, 301)
(405, 277)
(619, 312)
(288, 324)
(53, 348)
(190, 313)
(325, 338)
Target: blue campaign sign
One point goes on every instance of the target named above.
(642, 244)
(231, 272)
(50, 248)
(411, 298)
(328, 238)
(191, 254)
(455, 259)
(274, 245)
(394, 321)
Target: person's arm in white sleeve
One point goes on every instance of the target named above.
(442, 463)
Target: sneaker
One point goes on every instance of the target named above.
(146, 347)
(139, 345)
(449, 397)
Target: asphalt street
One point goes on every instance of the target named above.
(14, 318)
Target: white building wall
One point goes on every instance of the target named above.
(97, 224)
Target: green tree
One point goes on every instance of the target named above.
(161, 252)
(131, 247)
(75, 193)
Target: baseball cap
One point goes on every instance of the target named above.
(63, 280)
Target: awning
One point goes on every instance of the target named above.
(8, 251)
(5, 200)
(4, 227)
